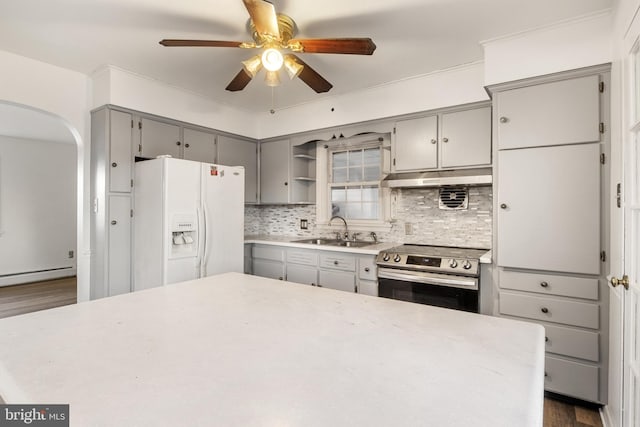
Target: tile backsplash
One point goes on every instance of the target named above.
(416, 219)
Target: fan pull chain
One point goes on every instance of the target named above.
(272, 111)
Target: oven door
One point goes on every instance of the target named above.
(456, 292)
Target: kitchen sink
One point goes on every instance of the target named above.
(334, 242)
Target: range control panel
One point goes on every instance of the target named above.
(462, 266)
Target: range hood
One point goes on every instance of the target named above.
(470, 177)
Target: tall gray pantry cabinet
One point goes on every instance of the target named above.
(550, 173)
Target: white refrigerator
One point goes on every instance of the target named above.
(189, 221)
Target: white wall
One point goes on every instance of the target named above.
(460, 85)
(37, 208)
(64, 94)
(564, 46)
(115, 86)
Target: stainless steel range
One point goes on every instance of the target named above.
(434, 275)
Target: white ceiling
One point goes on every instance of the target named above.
(413, 37)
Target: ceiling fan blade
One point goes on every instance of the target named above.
(353, 46)
(199, 43)
(314, 80)
(239, 82)
(263, 15)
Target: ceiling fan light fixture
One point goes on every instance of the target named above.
(272, 78)
(292, 66)
(272, 59)
(252, 65)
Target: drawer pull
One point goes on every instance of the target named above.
(544, 310)
(544, 284)
(367, 269)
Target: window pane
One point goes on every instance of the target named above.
(338, 208)
(354, 195)
(372, 156)
(370, 194)
(355, 174)
(371, 173)
(369, 211)
(355, 158)
(340, 159)
(340, 175)
(354, 211)
(338, 195)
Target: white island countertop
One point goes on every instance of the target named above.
(248, 351)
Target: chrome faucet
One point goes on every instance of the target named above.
(346, 227)
(374, 236)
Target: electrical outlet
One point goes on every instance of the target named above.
(304, 224)
(408, 228)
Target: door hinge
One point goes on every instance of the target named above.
(394, 162)
(603, 158)
(131, 213)
(601, 87)
(394, 130)
(131, 123)
(140, 125)
(619, 195)
(131, 183)
(140, 148)
(603, 256)
(601, 127)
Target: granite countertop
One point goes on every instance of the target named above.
(243, 350)
(373, 249)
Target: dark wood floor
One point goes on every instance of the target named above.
(22, 299)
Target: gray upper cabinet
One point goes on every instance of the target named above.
(120, 157)
(241, 152)
(549, 209)
(274, 171)
(416, 144)
(199, 145)
(466, 138)
(555, 113)
(159, 138)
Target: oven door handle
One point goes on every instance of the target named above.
(429, 279)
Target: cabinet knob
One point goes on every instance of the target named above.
(280, 278)
(544, 284)
(503, 206)
(319, 285)
(178, 143)
(503, 119)
(546, 375)
(546, 339)
(545, 310)
(114, 164)
(286, 183)
(367, 269)
(186, 145)
(313, 284)
(433, 141)
(335, 262)
(114, 222)
(445, 139)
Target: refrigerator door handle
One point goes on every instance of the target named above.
(205, 253)
(200, 242)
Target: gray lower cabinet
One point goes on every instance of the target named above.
(339, 280)
(268, 261)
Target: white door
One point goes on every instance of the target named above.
(223, 207)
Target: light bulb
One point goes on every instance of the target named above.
(272, 59)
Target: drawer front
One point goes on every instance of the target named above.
(571, 378)
(273, 253)
(550, 284)
(302, 257)
(368, 287)
(572, 342)
(337, 261)
(367, 268)
(550, 309)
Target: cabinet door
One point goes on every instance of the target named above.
(564, 112)
(199, 146)
(158, 139)
(466, 138)
(341, 281)
(270, 269)
(120, 146)
(415, 144)
(274, 172)
(119, 241)
(240, 152)
(549, 208)
(302, 274)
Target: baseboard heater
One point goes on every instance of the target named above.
(36, 276)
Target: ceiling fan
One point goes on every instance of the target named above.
(274, 33)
